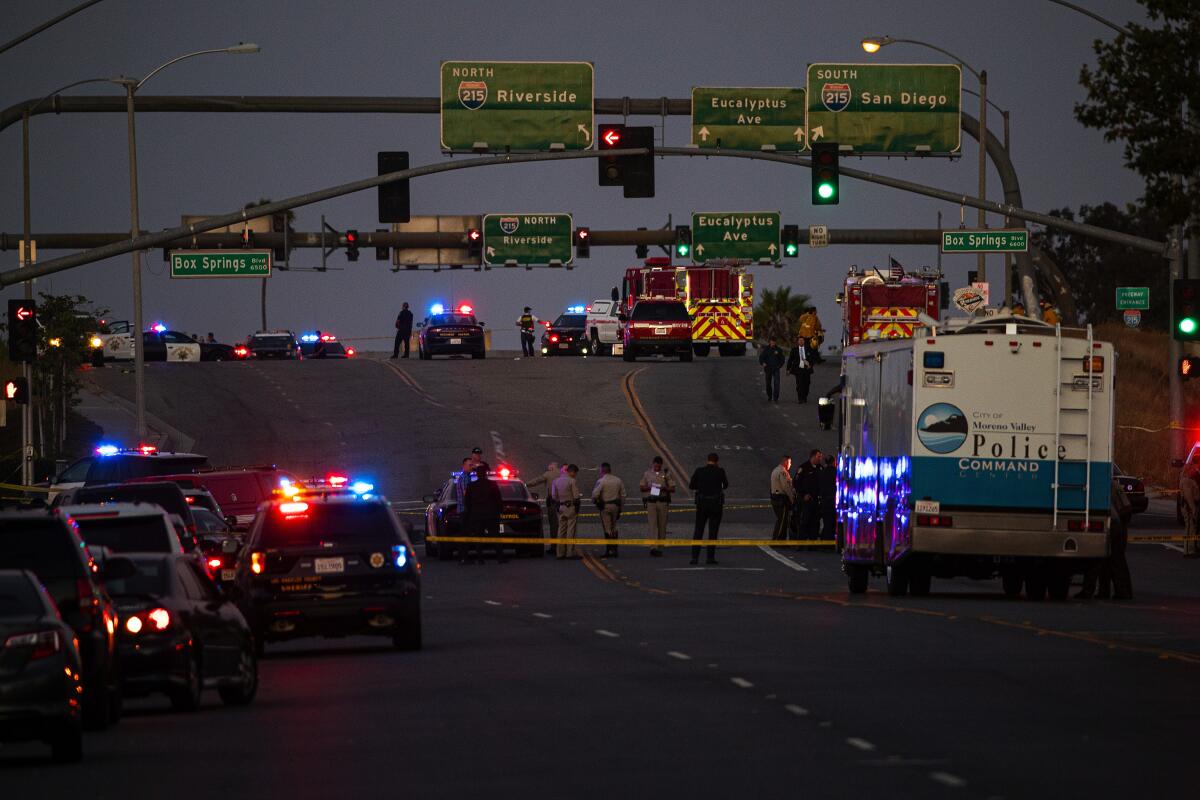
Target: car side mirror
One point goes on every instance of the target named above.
(229, 545)
(117, 568)
(481, 324)
(428, 498)
(1177, 463)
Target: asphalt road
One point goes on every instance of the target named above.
(640, 676)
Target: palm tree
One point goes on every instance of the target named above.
(778, 314)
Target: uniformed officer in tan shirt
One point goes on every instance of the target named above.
(565, 492)
(547, 478)
(656, 487)
(609, 496)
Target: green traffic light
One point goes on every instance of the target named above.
(825, 191)
(681, 249)
(1187, 325)
(790, 249)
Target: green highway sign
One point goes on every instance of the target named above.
(527, 238)
(752, 235)
(747, 119)
(1137, 297)
(985, 241)
(886, 108)
(220, 263)
(520, 106)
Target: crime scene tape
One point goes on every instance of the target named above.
(19, 488)
(1136, 539)
(634, 542)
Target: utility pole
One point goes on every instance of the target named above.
(981, 263)
(27, 370)
(139, 355)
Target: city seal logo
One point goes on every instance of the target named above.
(376, 560)
(472, 94)
(942, 428)
(510, 224)
(835, 96)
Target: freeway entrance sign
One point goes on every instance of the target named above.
(985, 241)
(527, 238)
(752, 235)
(1133, 297)
(520, 106)
(886, 108)
(747, 119)
(220, 263)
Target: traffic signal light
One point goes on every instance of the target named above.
(583, 242)
(825, 191)
(790, 239)
(22, 331)
(352, 245)
(17, 390)
(475, 244)
(610, 137)
(393, 197)
(1189, 367)
(382, 251)
(635, 173)
(1185, 309)
(683, 241)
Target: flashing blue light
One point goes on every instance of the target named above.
(400, 554)
(158, 327)
(107, 450)
(437, 308)
(576, 309)
(308, 337)
(361, 487)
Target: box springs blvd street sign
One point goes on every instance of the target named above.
(752, 235)
(985, 241)
(220, 263)
(886, 108)
(527, 238)
(516, 105)
(747, 118)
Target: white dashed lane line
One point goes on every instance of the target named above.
(678, 655)
(609, 634)
(861, 744)
(946, 779)
(540, 615)
(799, 711)
(492, 603)
(741, 682)
(782, 559)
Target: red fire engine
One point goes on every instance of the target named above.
(719, 297)
(884, 305)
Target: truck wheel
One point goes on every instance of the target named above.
(630, 354)
(857, 578)
(1011, 581)
(897, 581)
(702, 350)
(686, 356)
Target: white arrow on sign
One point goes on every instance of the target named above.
(703, 134)
(491, 251)
(771, 248)
(585, 131)
(817, 133)
(799, 134)
(700, 249)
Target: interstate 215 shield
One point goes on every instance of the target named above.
(473, 94)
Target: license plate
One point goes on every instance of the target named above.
(228, 574)
(618, 349)
(928, 507)
(326, 565)
(456, 341)
(563, 346)
(660, 331)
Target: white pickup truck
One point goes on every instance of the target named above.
(603, 327)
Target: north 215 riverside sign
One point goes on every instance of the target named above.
(519, 106)
(886, 108)
(527, 239)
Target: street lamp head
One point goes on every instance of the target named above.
(242, 48)
(872, 44)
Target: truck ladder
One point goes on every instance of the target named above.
(1061, 410)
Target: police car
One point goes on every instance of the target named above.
(272, 344)
(448, 332)
(522, 515)
(159, 344)
(323, 345)
(567, 335)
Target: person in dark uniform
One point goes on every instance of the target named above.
(827, 482)
(799, 364)
(526, 323)
(404, 323)
(808, 494)
(483, 506)
(1112, 573)
(709, 484)
(319, 348)
(772, 360)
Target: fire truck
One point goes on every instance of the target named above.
(719, 297)
(885, 305)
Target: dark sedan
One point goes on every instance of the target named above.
(567, 336)
(272, 344)
(1135, 490)
(41, 677)
(453, 333)
(522, 515)
(180, 635)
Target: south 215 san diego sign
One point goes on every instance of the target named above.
(520, 106)
(886, 108)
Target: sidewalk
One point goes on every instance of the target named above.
(116, 418)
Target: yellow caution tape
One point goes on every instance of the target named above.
(1164, 538)
(635, 542)
(18, 487)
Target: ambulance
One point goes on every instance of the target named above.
(981, 448)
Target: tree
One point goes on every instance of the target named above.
(778, 314)
(1138, 94)
(1094, 269)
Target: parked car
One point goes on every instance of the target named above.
(165, 494)
(272, 344)
(111, 464)
(1134, 488)
(521, 516)
(238, 492)
(658, 326)
(41, 674)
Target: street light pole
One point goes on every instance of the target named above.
(137, 339)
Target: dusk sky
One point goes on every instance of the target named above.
(201, 164)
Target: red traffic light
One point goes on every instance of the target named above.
(611, 136)
(351, 237)
(583, 233)
(24, 313)
(474, 234)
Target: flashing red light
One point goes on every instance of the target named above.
(337, 480)
(505, 473)
(291, 509)
(189, 499)
(215, 563)
(546, 322)
(147, 449)
(465, 309)
(241, 351)
(328, 337)
(350, 351)
(611, 137)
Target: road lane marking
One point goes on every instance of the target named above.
(540, 615)
(492, 603)
(711, 569)
(642, 418)
(742, 683)
(609, 634)
(946, 779)
(799, 711)
(861, 744)
(782, 559)
(678, 655)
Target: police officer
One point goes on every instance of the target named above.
(526, 323)
(565, 492)
(783, 497)
(772, 360)
(656, 487)
(709, 484)
(609, 496)
(808, 491)
(404, 323)
(547, 478)
(482, 507)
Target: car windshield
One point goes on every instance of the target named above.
(341, 523)
(126, 534)
(43, 547)
(151, 578)
(77, 472)
(600, 307)
(452, 319)
(207, 521)
(513, 490)
(665, 312)
(570, 321)
(18, 597)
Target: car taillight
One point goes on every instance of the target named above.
(257, 562)
(350, 351)
(155, 620)
(554, 337)
(215, 563)
(42, 643)
(1093, 363)
(1093, 526)
(935, 521)
(87, 600)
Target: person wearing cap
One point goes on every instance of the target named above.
(565, 492)
(547, 478)
(656, 487)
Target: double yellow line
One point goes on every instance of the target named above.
(657, 442)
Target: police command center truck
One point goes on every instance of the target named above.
(979, 449)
